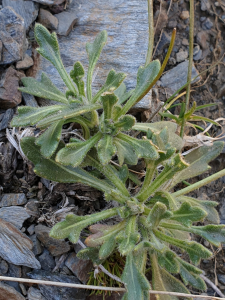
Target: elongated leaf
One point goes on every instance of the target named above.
(122, 94)
(136, 283)
(49, 49)
(94, 50)
(143, 148)
(106, 149)
(157, 213)
(49, 140)
(168, 261)
(125, 123)
(74, 153)
(125, 152)
(77, 74)
(198, 160)
(113, 81)
(108, 100)
(145, 77)
(28, 115)
(215, 234)
(200, 118)
(187, 214)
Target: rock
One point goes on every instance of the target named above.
(164, 42)
(30, 229)
(54, 246)
(197, 53)
(66, 21)
(184, 15)
(13, 199)
(34, 294)
(37, 247)
(32, 207)
(177, 77)
(47, 19)
(28, 10)
(172, 24)
(9, 293)
(15, 247)
(205, 5)
(207, 24)
(7, 117)
(29, 100)
(81, 268)
(47, 261)
(14, 271)
(202, 39)
(9, 94)
(221, 278)
(49, 2)
(3, 267)
(58, 293)
(185, 42)
(26, 63)
(181, 56)
(12, 35)
(15, 215)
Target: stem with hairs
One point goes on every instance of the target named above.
(150, 32)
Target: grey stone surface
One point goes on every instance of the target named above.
(29, 100)
(177, 77)
(34, 294)
(49, 2)
(7, 117)
(14, 271)
(28, 10)
(58, 293)
(127, 25)
(47, 19)
(14, 214)
(181, 56)
(47, 261)
(164, 42)
(66, 21)
(37, 247)
(207, 24)
(3, 267)
(205, 5)
(13, 199)
(30, 229)
(9, 293)
(15, 247)
(12, 35)
(26, 63)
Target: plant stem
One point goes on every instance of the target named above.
(199, 184)
(150, 32)
(191, 44)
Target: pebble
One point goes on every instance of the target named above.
(37, 247)
(181, 56)
(35, 294)
(25, 64)
(47, 261)
(29, 100)
(13, 199)
(7, 117)
(185, 42)
(202, 39)
(221, 278)
(184, 15)
(66, 22)
(197, 55)
(14, 271)
(207, 24)
(30, 229)
(205, 5)
(9, 293)
(164, 42)
(16, 215)
(47, 19)
(4, 267)
(172, 24)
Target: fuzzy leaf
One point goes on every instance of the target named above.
(90, 253)
(49, 49)
(168, 261)
(136, 283)
(43, 89)
(125, 152)
(74, 153)
(106, 149)
(77, 74)
(108, 100)
(157, 213)
(113, 81)
(49, 140)
(125, 123)
(215, 234)
(188, 214)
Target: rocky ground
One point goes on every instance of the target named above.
(29, 205)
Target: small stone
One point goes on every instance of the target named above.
(164, 42)
(205, 5)
(29, 100)
(185, 42)
(172, 24)
(14, 271)
(221, 278)
(181, 56)
(47, 261)
(47, 19)
(9, 293)
(26, 63)
(15, 215)
(12, 35)
(197, 53)
(13, 199)
(32, 207)
(207, 24)
(206, 244)
(7, 117)
(9, 94)
(4, 267)
(34, 294)
(171, 62)
(23, 289)
(30, 229)
(202, 39)
(66, 22)
(58, 293)
(28, 10)
(37, 247)
(54, 246)
(184, 15)
(80, 268)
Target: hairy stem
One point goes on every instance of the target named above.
(150, 32)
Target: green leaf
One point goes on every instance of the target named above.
(49, 49)
(143, 148)
(205, 106)
(188, 214)
(106, 149)
(215, 234)
(125, 152)
(157, 213)
(108, 100)
(135, 281)
(200, 118)
(28, 115)
(125, 123)
(198, 160)
(43, 89)
(122, 94)
(77, 74)
(113, 81)
(49, 140)
(145, 77)
(94, 50)
(73, 154)
(90, 253)
(168, 261)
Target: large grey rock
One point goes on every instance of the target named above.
(28, 10)
(127, 25)
(177, 77)
(12, 35)
(14, 214)
(9, 293)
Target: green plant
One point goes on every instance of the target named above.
(154, 218)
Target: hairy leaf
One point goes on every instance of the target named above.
(108, 100)
(157, 213)
(125, 153)
(90, 253)
(77, 74)
(106, 149)
(125, 123)
(215, 234)
(168, 261)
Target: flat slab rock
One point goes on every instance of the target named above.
(15, 247)
(58, 293)
(127, 25)
(13, 199)
(15, 215)
(9, 293)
